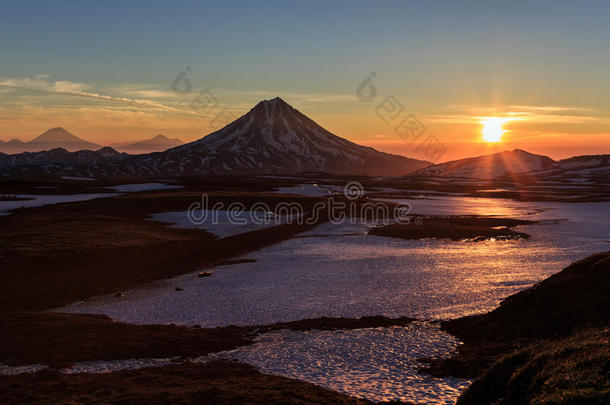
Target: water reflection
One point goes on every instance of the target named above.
(376, 364)
(326, 273)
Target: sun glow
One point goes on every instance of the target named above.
(492, 129)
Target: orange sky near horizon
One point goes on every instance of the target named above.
(116, 71)
(128, 113)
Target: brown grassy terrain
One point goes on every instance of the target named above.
(51, 256)
(472, 228)
(547, 344)
(211, 383)
(54, 255)
(572, 370)
(326, 323)
(57, 339)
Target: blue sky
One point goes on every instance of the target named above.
(433, 56)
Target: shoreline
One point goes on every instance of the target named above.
(543, 329)
(65, 339)
(145, 251)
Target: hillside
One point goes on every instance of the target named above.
(507, 164)
(536, 340)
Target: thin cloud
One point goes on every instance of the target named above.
(141, 90)
(76, 89)
(550, 108)
(546, 114)
(517, 107)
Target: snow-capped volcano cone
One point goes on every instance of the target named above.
(274, 137)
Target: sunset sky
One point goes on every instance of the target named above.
(104, 70)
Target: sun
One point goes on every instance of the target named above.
(492, 129)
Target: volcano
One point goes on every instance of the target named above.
(275, 138)
(272, 138)
(51, 139)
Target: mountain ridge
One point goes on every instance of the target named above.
(272, 138)
(59, 137)
(52, 138)
(62, 156)
(158, 143)
(495, 165)
(565, 168)
(275, 138)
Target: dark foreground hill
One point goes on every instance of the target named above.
(546, 345)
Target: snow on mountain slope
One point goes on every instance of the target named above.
(497, 165)
(584, 169)
(272, 138)
(275, 138)
(585, 161)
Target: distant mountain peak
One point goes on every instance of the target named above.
(56, 134)
(57, 137)
(161, 137)
(157, 143)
